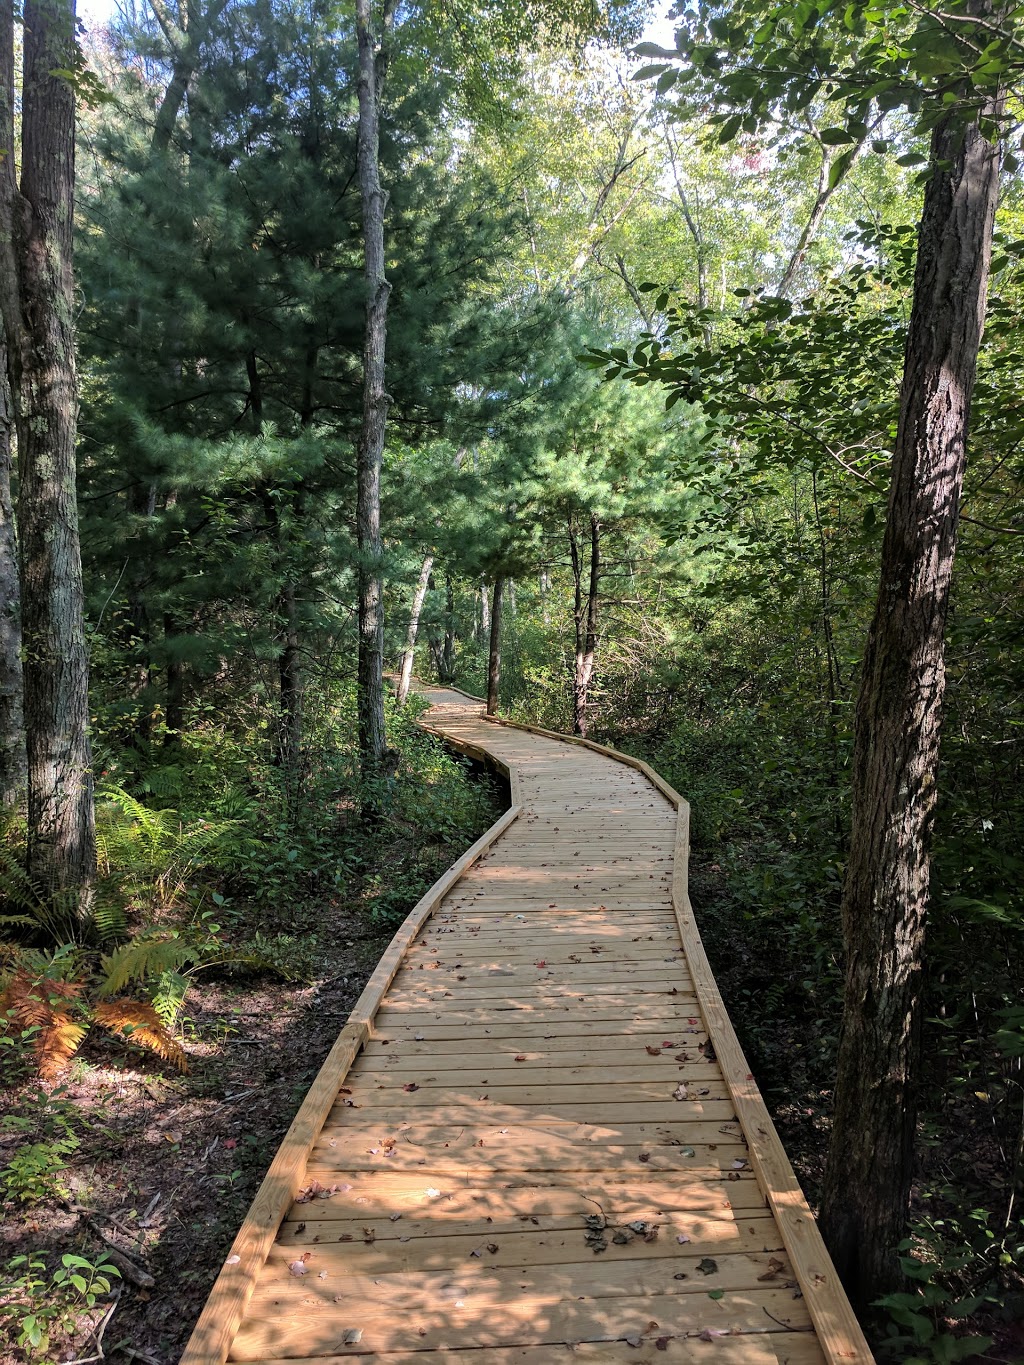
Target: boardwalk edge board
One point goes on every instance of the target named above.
(222, 1314)
(838, 1330)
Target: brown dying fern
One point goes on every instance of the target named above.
(31, 1002)
(57, 1019)
(139, 1022)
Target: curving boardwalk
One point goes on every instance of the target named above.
(537, 1140)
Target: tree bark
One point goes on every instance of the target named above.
(584, 621)
(448, 651)
(370, 704)
(896, 753)
(494, 649)
(37, 300)
(13, 760)
(415, 611)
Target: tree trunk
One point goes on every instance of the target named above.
(485, 611)
(409, 653)
(13, 760)
(37, 300)
(494, 649)
(174, 716)
(585, 622)
(896, 751)
(448, 652)
(290, 685)
(370, 456)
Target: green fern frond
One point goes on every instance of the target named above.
(169, 996)
(145, 957)
(109, 919)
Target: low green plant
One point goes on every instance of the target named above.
(918, 1332)
(45, 1125)
(40, 1303)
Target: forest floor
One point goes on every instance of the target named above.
(169, 1163)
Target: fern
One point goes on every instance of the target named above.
(56, 915)
(109, 919)
(169, 996)
(41, 1007)
(148, 956)
(139, 1022)
(151, 854)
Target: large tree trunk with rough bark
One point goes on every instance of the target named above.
(415, 611)
(375, 407)
(885, 895)
(12, 717)
(584, 619)
(494, 649)
(37, 299)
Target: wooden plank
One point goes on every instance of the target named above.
(428, 1130)
(497, 1321)
(695, 1073)
(385, 1194)
(332, 1269)
(377, 1245)
(577, 1052)
(633, 1037)
(384, 1106)
(777, 1348)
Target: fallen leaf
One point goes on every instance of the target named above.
(716, 1294)
(775, 1267)
(680, 1093)
(230, 1143)
(353, 1337)
(541, 963)
(682, 1239)
(654, 1051)
(662, 1343)
(520, 1057)
(709, 1334)
(299, 1267)
(232, 1260)
(644, 1156)
(411, 1087)
(707, 1266)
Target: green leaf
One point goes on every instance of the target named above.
(840, 166)
(836, 137)
(730, 128)
(647, 73)
(716, 1294)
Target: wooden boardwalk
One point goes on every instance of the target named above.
(537, 1139)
